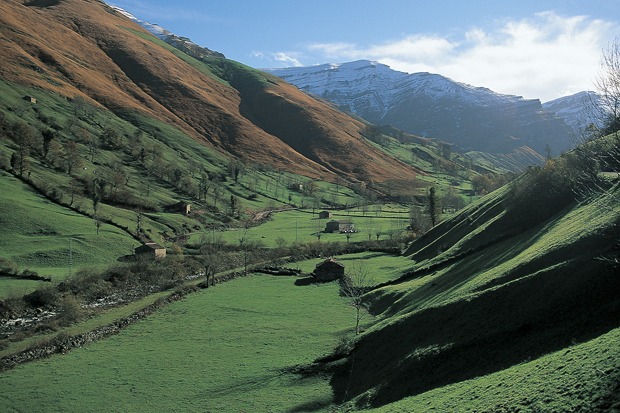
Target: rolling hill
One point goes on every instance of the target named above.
(524, 273)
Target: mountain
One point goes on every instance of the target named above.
(182, 43)
(572, 108)
(433, 106)
(90, 50)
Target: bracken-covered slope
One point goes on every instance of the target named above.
(86, 48)
(504, 282)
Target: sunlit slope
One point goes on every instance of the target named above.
(491, 290)
(37, 233)
(86, 49)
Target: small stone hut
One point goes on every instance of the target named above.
(325, 214)
(328, 270)
(339, 225)
(151, 251)
(183, 208)
(30, 99)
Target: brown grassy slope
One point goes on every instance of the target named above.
(76, 47)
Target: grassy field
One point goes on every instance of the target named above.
(225, 349)
(40, 235)
(302, 226)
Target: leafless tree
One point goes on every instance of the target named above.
(212, 262)
(354, 285)
(607, 84)
(598, 142)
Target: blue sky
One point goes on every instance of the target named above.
(536, 49)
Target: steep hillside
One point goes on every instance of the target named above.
(525, 272)
(78, 48)
(433, 106)
(182, 43)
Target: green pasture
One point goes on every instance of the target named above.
(302, 226)
(38, 234)
(225, 349)
(381, 267)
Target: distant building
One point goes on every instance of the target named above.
(183, 208)
(180, 208)
(339, 225)
(30, 99)
(325, 214)
(150, 250)
(328, 270)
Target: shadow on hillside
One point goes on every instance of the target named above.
(301, 282)
(42, 3)
(312, 406)
(482, 259)
(481, 335)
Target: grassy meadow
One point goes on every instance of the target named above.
(40, 235)
(230, 348)
(302, 226)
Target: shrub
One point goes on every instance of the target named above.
(46, 297)
(70, 310)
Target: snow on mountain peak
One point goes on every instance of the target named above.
(182, 43)
(154, 29)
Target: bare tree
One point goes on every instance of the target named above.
(607, 84)
(72, 156)
(598, 141)
(23, 137)
(211, 261)
(354, 285)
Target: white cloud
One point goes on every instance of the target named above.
(286, 59)
(281, 57)
(544, 57)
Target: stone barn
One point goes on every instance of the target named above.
(183, 208)
(150, 251)
(325, 214)
(30, 99)
(339, 225)
(328, 270)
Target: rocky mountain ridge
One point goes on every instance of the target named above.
(572, 108)
(433, 106)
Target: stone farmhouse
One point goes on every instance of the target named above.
(340, 225)
(325, 214)
(150, 251)
(328, 270)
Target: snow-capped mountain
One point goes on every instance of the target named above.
(573, 108)
(182, 43)
(431, 105)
